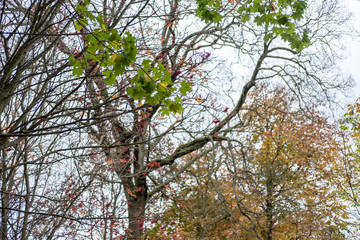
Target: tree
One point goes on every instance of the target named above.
(33, 37)
(155, 87)
(42, 191)
(277, 179)
(349, 125)
(57, 58)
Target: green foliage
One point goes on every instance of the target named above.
(351, 119)
(111, 51)
(114, 53)
(281, 16)
(351, 123)
(208, 10)
(155, 86)
(278, 16)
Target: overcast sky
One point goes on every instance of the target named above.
(352, 63)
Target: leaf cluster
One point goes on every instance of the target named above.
(112, 53)
(282, 16)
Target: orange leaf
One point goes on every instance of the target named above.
(199, 100)
(109, 161)
(130, 193)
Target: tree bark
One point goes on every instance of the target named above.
(136, 199)
(269, 208)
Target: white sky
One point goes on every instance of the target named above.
(352, 63)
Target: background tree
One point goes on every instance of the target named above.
(349, 125)
(32, 60)
(277, 179)
(41, 142)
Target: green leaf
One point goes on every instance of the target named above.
(258, 20)
(245, 18)
(78, 26)
(110, 80)
(164, 111)
(146, 63)
(185, 88)
(77, 72)
(72, 60)
(79, 8)
(152, 99)
(178, 100)
(268, 37)
(282, 20)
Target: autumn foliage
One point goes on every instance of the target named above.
(277, 179)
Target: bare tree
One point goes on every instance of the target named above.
(38, 120)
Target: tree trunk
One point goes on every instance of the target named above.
(136, 198)
(269, 208)
(4, 199)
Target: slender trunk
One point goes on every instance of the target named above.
(4, 199)
(269, 209)
(24, 231)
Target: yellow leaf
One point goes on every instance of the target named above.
(164, 85)
(103, 26)
(161, 118)
(114, 57)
